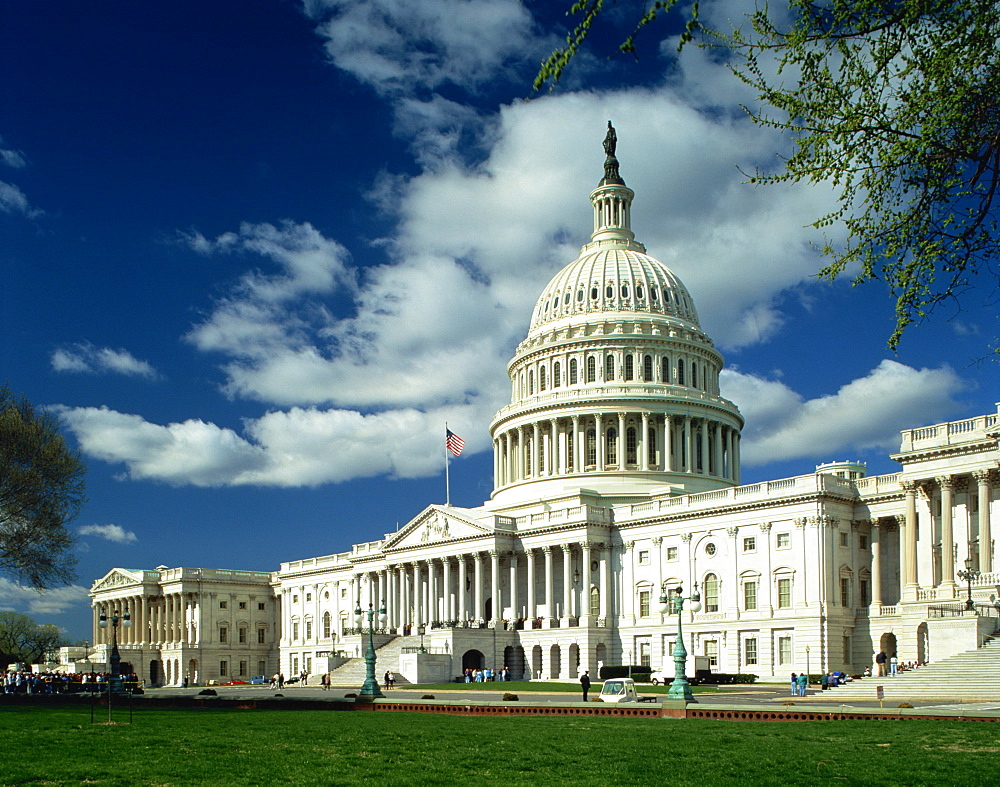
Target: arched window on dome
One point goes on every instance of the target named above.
(591, 369)
(665, 370)
(566, 298)
(647, 368)
(556, 374)
(594, 292)
(629, 367)
(639, 292)
(572, 371)
(542, 381)
(694, 374)
(611, 446)
(591, 447)
(570, 454)
(609, 368)
(624, 290)
(680, 371)
(531, 382)
(651, 447)
(652, 294)
(609, 292)
(711, 593)
(630, 446)
(579, 295)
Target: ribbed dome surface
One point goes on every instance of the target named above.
(614, 280)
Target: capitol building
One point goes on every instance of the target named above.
(616, 476)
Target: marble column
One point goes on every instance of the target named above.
(532, 612)
(514, 612)
(549, 590)
(910, 536)
(622, 443)
(480, 602)
(876, 545)
(567, 610)
(985, 528)
(496, 604)
(463, 603)
(449, 606)
(947, 486)
(585, 617)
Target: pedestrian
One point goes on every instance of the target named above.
(803, 684)
(795, 684)
(392, 679)
(893, 665)
(386, 678)
(880, 663)
(585, 683)
(824, 681)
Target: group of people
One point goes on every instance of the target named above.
(487, 675)
(277, 681)
(21, 682)
(390, 679)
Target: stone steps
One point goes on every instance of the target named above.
(352, 673)
(972, 675)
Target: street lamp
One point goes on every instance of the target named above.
(115, 681)
(680, 689)
(370, 690)
(421, 630)
(968, 575)
(808, 672)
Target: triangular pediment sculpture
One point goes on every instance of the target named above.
(115, 578)
(433, 525)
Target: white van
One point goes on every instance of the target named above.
(618, 690)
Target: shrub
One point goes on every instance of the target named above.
(209, 693)
(904, 705)
(351, 696)
(427, 697)
(508, 697)
(727, 678)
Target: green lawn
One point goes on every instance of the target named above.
(218, 747)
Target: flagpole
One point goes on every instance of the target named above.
(447, 479)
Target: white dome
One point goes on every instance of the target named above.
(614, 280)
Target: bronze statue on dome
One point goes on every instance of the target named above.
(611, 174)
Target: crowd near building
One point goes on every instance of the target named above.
(616, 475)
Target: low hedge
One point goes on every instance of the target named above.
(727, 678)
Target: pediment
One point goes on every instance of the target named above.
(432, 526)
(116, 578)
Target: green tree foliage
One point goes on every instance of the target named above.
(41, 490)
(25, 641)
(896, 105)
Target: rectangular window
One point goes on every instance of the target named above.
(845, 540)
(862, 542)
(645, 653)
(784, 650)
(750, 651)
(223, 634)
(309, 596)
(785, 593)
(643, 557)
(750, 544)
(309, 629)
(750, 596)
(260, 605)
(671, 554)
(243, 668)
(261, 667)
(845, 592)
(295, 598)
(261, 636)
(712, 651)
(863, 598)
(243, 605)
(223, 604)
(784, 540)
(343, 592)
(295, 665)
(243, 635)
(223, 668)
(295, 631)
(644, 603)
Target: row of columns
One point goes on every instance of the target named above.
(155, 620)
(558, 446)
(450, 589)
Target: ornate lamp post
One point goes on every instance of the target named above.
(680, 689)
(370, 690)
(968, 575)
(115, 681)
(421, 630)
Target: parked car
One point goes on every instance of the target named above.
(618, 690)
(235, 683)
(258, 680)
(660, 677)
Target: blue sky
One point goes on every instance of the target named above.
(258, 252)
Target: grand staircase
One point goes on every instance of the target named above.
(352, 673)
(973, 676)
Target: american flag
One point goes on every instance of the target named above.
(454, 443)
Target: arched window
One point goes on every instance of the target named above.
(611, 447)
(542, 381)
(680, 371)
(595, 602)
(326, 624)
(651, 446)
(711, 593)
(591, 369)
(609, 368)
(609, 293)
(570, 455)
(694, 375)
(647, 368)
(665, 370)
(630, 452)
(629, 367)
(591, 447)
(572, 371)
(531, 381)
(556, 374)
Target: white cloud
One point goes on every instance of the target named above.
(401, 48)
(114, 533)
(865, 414)
(56, 601)
(86, 358)
(12, 200)
(13, 158)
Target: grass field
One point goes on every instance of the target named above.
(43, 746)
